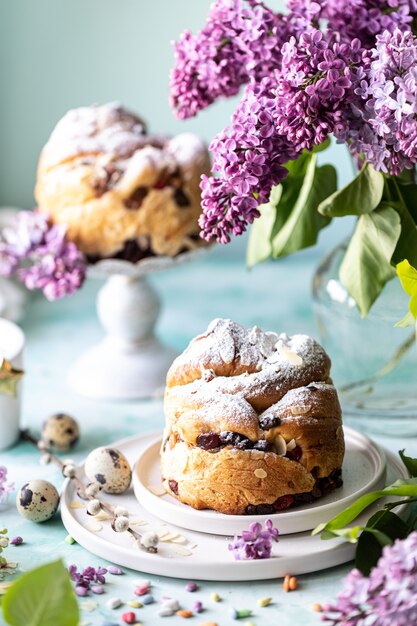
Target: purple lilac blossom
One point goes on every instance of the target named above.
(387, 598)
(365, 18)
(241, 39)
(294, 109)
(5, 488)
(40, 255)
(88, 577)
(303, 84)
(255, 543)
(248, 158)
(314, 87)
(382, 124)
(368, 18)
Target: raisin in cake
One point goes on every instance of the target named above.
(253, 422)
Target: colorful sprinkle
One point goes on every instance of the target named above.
(97, 589)
(81, 591)
(109, 624)
(171, 603)
(208, 624)
(113, 603)
(70, 540)
(129, 617)
(135, 604)
(116, 571)
(215, 597)
(191, 587)
(141, 591)
(184, 613)
(198, 606)
(16, 541)
(148, 599)
(290, 583)
(264, 601)
(165, 611)
(240, 613)
(316, 607)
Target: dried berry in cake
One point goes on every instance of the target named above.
(120, 191)
(253, 422)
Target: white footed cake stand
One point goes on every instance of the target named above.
(130, 362)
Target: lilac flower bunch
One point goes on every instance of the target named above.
(367, 18)
(276, 120)
(39, 254)
(5, 487)
(388, 597)
(316, 71)
(382, 122)
(255, 543)
(240, 40)
(89, 579)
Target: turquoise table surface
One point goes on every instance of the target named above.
(274, 296)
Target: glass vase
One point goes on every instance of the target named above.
(374, 363)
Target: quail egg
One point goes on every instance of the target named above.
(110, 468)
(37, 500)
(60, 431)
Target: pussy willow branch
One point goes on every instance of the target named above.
(25, 434)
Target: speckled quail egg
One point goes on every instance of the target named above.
(60, 431)
(110, 468)
(37, 500)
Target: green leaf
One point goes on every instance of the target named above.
(408, 277)
(259, 245)
(42, 597)
(354, 533)
(322, 146)
(382, 529)
(407, 243)
(409, 462)
(366, 267)
(284, 199)
(303, 223)
(407, 321)
(359, 197)
(398, 489)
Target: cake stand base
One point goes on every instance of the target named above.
(113, 372)
(130, 362)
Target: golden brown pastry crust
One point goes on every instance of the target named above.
(110, 182)
(267, 391)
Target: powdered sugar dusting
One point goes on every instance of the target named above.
(241, 377)
(111, 130)
(105, 128)
(277, 358)
(196, 405)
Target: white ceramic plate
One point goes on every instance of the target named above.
(189, 554)
(363, 471)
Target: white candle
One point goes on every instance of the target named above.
(12, 341)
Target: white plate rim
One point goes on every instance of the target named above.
(319, 556)
(299, 519)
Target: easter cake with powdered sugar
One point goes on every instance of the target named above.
(121, 192)
(253, 422)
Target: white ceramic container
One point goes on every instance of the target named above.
(12, 341)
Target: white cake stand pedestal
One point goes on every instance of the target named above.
(130, 362)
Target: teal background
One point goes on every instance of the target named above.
(60, 54)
